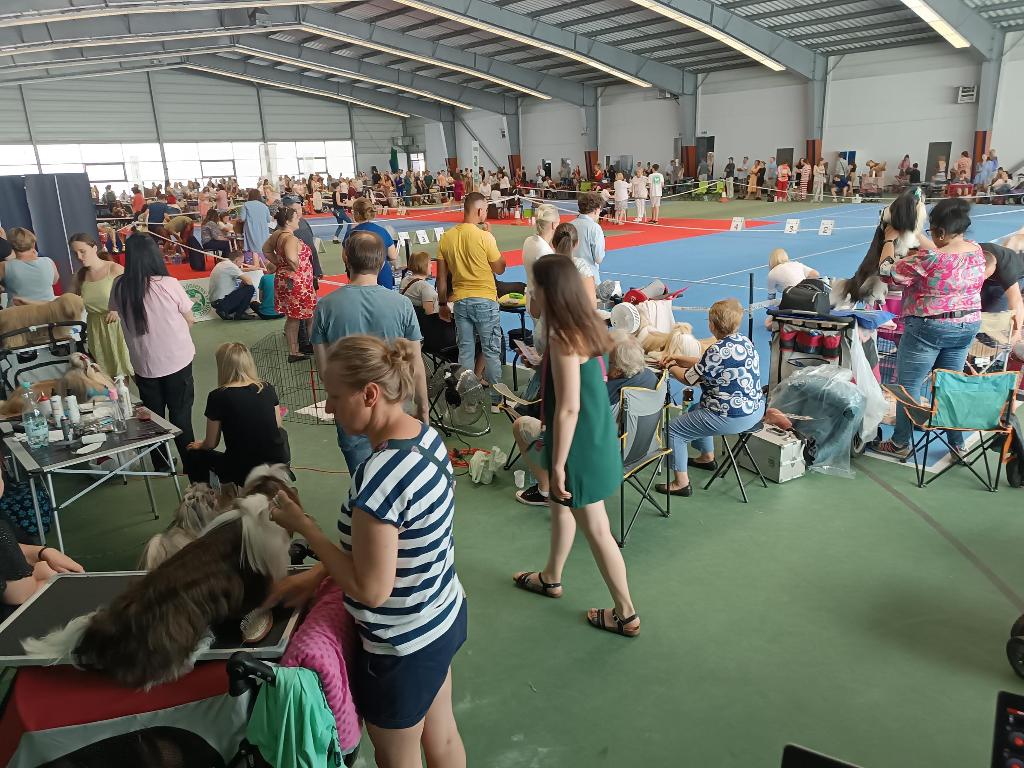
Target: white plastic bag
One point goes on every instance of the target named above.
(875, 405)
(658, 313)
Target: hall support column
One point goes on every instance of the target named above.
(591, 130)
(817, 94)
(515, 150)
(686, 154)
(988, 93)
(451, 152)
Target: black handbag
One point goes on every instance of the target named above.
(808, 297)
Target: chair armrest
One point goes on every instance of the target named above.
(508, 394)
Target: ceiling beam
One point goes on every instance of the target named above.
(105, 69)
(315, 86)
(794, 57)
(398, 44)
(480, 14)
(389, 76)
(17, 13)
(985, 38)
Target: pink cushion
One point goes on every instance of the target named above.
(326, 643)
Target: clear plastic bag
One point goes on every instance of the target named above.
(875, 405)
(833, 408)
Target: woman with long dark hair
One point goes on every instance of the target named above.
(579, 447)
(156, 315)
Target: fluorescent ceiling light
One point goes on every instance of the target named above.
(24, 18)
(62, 63)
(345, 73)
(936, 22)
(287, 86)
(710, 31)
(390, 50)
(474, 24)
(96, 42)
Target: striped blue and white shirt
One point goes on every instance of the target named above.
(400, 485)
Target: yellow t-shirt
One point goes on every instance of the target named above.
(469, 251)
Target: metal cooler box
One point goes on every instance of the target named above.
(779, 454)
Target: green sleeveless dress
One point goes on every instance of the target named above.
(593, 470)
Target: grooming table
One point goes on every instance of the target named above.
(69, 595)
(141, 439)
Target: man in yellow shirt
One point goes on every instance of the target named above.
(470, 254)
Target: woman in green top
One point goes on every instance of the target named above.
(93, 282)
(580, 448)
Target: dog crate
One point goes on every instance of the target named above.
(298, 384)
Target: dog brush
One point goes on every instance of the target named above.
(256, 625)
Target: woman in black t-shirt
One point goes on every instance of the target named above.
(245, 410)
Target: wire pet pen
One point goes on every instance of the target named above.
(297, 384)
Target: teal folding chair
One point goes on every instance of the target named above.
(964, 402)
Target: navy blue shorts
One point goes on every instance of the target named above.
(396, 691)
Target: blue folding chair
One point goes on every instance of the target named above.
(964, 402)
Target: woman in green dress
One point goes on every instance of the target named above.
(580, 448)
(93, 282)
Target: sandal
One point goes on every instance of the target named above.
(538, 587)
(618, 628)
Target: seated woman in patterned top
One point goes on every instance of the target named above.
(729, 375)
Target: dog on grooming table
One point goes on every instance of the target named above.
(152, 632)
(906, 214)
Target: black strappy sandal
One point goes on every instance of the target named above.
(540, 587)
(618, 628)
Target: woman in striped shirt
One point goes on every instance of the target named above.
(396, 562)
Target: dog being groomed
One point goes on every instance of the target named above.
(153, 632)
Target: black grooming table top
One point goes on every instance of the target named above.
(67, 596)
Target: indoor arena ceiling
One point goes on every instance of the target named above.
(429, 57)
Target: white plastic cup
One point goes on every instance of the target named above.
(520, 478)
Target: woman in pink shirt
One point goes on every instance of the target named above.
(156, 314)
(941, 308)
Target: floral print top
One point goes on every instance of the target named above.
(936, 282)
(729, 374)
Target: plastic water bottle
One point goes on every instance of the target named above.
(119, 423)
(36, 429)
(124, 397)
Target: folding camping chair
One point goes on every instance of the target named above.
(701, 190)
(642, 416)
(964, 402)
(991, 348)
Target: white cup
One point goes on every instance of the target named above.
(520, 478)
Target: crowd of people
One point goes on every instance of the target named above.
(394, 556)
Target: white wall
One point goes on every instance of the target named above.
(489, 129)
(753, 112)
(885, 104)
(551, 130)
(637, 122)
(1008, 127)
(436, 151)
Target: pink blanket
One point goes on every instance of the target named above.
(326, 643)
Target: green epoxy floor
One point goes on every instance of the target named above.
(828, 612)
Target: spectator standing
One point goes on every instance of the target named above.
(730, 179)
(365, 307)
(771, 175)
(591, 236)
(363, 212)
(294, 295)
(621, 197)
(156, 315)
(818, 190)
(804, 173)
(255, 216)
(656, 182)
(470, 254)
(93, 282)
(638, 189)
(339, 206)
(743, 174)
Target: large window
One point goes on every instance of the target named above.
(17, 160)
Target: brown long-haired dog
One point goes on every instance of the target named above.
(152, 633)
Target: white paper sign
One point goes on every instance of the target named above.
(438, 231)
(825, 228)
(792, 226)
(738, 224)
(401, 210)
(403, 236)
(421, 237)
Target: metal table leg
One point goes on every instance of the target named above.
(56, 514)
(35, 504)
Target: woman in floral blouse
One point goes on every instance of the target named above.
(941, 308)
(729, 375)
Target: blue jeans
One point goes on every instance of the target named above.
(355, 448)
(926, 345)
(342, 217)
(479, 318)
(699, 426)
